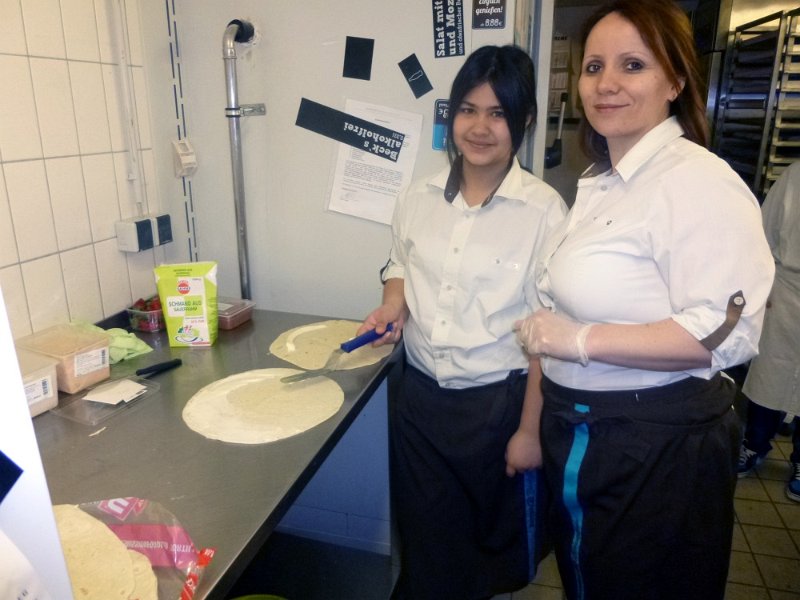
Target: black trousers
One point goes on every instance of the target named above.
(642, 486)
(460, 519)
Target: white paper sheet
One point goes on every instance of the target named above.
(366, 185)
(114, 392)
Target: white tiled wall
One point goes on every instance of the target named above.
(64, 164)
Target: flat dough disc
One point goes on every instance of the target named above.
(98, 562)
(146, 584)
(254, 407)
(309, 346)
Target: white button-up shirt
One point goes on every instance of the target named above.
(673, 232)
(468, 274)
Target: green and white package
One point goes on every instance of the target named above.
(188, 294)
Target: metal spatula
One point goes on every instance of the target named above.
(336, 356)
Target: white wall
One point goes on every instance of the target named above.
(63, 166)
(63, 175)
(302, 257)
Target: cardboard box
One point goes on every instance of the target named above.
(40, 380)
(82, 354)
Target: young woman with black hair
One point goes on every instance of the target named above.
(465, 425)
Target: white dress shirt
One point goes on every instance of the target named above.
(468, 274)
(673, 232)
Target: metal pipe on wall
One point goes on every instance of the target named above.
(237, 31)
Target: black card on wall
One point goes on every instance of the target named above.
(415, 75)
(358, 58)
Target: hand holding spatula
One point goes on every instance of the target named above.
(336, 356)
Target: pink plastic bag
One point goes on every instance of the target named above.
(149, 528)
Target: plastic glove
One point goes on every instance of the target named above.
(549, 334)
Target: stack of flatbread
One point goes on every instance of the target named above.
(100, 566)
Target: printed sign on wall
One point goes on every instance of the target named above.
(440, 111)
(448, 28)
(349, 129)
(489, 14)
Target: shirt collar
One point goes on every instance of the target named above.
(647, 147)
(449, 181)
(655, 139)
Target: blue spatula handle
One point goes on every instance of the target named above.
(363, 339)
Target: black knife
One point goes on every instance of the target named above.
(159, 367)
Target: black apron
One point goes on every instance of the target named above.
(642, 486)
(460, 519)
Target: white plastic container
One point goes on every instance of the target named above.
(40, 380)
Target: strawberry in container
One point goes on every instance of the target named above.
(146, 315)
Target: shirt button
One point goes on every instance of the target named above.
(604, 187)
(449, 288)
(455, 250)
(443, 322)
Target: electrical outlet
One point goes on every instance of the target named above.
(134, 235)
(143, 233)
(162, 226)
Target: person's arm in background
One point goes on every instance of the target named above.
(524, 449)
(394, 310)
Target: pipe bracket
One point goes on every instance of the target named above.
(247, 110)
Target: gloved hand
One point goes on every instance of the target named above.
(549, 334)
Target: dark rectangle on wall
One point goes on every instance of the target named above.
(350, 130)
(415, 75)
(488, 14)
(448, 28)
(358, 58)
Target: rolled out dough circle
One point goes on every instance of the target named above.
(254, 407)
(97, 560)
(146, 587)
(309, 346)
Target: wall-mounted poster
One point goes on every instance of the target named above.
(448, 28)
(440, 112)
(488, 14)
(365, 185)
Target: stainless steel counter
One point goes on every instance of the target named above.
(227, 496)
